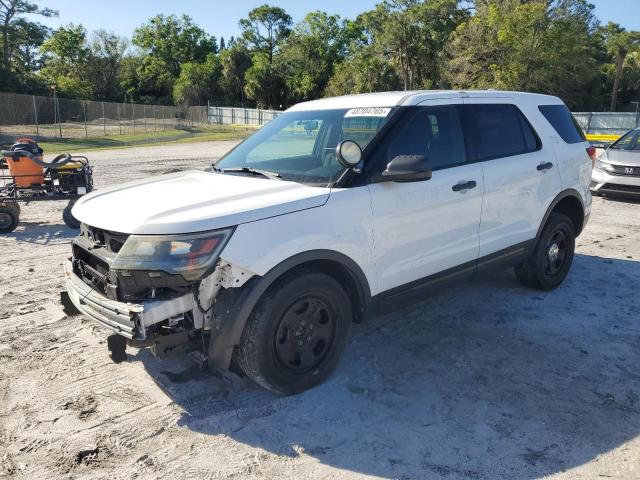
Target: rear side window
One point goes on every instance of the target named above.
(563, 122)
(432, 131)
(495, 131)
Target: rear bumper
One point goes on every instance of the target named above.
(127, 319)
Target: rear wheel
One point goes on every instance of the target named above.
(295, 336)
(551, 260)
(9, 217)
(68, 218)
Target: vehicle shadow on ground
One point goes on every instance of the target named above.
(621, 199)
(41, 233)
(482, 380)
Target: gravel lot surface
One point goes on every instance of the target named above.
(481, 381)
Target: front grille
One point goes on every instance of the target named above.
(93, 253)
(95, 250)
(623, 171)
(112, 241)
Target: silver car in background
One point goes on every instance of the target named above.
(617, 170)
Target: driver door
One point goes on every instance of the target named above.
(422, 229)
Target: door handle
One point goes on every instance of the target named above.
(545, 166)
(459, 187)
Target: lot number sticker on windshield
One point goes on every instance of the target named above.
(368, 112)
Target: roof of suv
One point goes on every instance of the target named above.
(393, 99)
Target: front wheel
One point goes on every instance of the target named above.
(551, 260)
(295, 335)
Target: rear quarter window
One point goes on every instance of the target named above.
(563, 122)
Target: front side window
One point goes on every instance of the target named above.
(630, 141)
(435, 132)
(498, 130)
(301, 146)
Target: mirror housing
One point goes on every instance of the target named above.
(349, 154)
(407, 168)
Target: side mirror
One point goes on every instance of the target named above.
(349, 154)
(408, 168)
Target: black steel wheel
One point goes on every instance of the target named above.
(295, 336)
(306, 333)
(551, 260)
(9, 217)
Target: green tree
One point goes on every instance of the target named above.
(308, 58)
(264, 84)
(412, 34)
(265, 28)
(11, 12)
(235, 61)
(618, 43)
(198, 82)
(107, 51)
(66, 61)
(25, 39)
(537, 45)
(363, 73)
(166, 43)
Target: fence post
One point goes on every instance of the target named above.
(84, 110)
(144, 114)
(119, 121)
(133, 116)
(155, 120)
(35, 114)
(104, 121)
(59, 117)
(164, 122)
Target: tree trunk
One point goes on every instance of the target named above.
(616, 81)
(5, 48)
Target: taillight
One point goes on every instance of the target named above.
(591, 151)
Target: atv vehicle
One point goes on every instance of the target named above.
(25, 177)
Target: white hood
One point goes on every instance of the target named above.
(193, 201)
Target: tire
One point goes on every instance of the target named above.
(296, 333)
(551, 259)
(9, 217)
(68, 218)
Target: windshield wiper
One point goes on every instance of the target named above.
(253, 171)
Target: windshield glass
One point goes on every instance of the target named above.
(629, 141)
(301, 146)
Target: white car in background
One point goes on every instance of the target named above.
(338, 209)
(617, 170)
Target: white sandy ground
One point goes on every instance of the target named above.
(486, 380)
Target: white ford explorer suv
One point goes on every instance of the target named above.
(338, 209)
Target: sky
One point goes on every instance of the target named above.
(220, 17)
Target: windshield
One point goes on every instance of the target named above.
(301, 146)
(629, 141)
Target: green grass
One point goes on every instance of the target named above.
(193, 134)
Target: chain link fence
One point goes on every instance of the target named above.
(241, 116)
(50, 117)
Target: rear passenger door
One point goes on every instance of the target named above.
(426, 227)
(521, 175)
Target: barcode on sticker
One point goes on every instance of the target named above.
(368, 112)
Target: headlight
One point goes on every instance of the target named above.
(607, 167)
(189, 255)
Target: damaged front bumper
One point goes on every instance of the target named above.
(130, 320)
